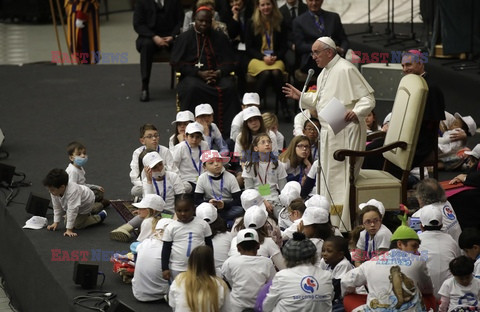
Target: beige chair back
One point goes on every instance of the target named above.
(407, 115)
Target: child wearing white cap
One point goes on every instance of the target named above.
(265, 173)
(211, 133)
(149, 209)
(249, 99)
(187, 155)
(180, 123)
(218, 186)
(256, 218)
(247, 272)
(437, 247)
(253, 125)
(316, 226)
(295, 212)
(147, 284)
(221, 237)
(375, 238)
(290, 191)
(149, 138)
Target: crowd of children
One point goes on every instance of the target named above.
(234, 231)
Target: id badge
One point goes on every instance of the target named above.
(264, 189)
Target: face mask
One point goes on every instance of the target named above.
(158, 175)
(80, 161)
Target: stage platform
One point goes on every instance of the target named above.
(43, 107)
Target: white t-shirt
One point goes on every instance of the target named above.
(212, 188)
(148, 283)
(178, 301)
(267, 249)
(438, 249)
(339, 270)
(273, 176)
(280, 140)
(378, 273)
(288, 232)
(185, 237)
(135, 170)
(184, 159)
(301, 288)
(238, 150)
(77, 199)
(299, 122)
(168, 190)
(369, 246)
(76, 174)
(246, 276)
(461, 296)
(449, 219)
(221, 246)
(476, 269)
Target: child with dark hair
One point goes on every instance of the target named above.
(316, 226)
(336, 259)
(295, 212)
(460, 292)
(221, 238)
(375, 238)
(289, 286)
(182, 236)
(247, 272)
(77, 201)
(469, 242)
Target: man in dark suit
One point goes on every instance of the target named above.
(290, 10)
(310, 26)
(156, 22)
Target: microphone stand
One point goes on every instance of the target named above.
(319, 167)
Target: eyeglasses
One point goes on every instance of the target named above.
(373, 221)
(303, 146)
(151, 136)
(317, 53)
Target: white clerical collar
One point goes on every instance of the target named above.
(333, 61)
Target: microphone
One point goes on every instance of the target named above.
(309, 77)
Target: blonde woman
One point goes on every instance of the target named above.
(199, 289)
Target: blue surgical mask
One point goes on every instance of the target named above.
(80, 161)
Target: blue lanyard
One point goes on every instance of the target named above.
(221, 188)
(367, 236)
(315, 153)
(300, 176)
(199, 168)
(164, 187)
(211, 136)
(269, 39)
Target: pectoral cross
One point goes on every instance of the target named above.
(199, 65)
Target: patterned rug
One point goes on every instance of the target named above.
(124, 208)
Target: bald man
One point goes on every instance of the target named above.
(339, 79)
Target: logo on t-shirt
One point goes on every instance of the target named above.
(448, 212)
(309, 284)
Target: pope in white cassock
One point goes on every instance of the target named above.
(340, 79)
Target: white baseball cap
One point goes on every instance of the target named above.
(152, 201)
(151, 159)
(328, 41)
(194, 127)
(163, 223)
(207, 212)
(35, 223)
(184, 116)
(211, 155)
(318, 201)
(375, 203)
(203, 109)
(315, 215)
(254, 218)
(251, 197)
(429, 213)
(475, 152)
(250, 112)
(290, 191)
(472, 126)
(251, 98)
(247, 235)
